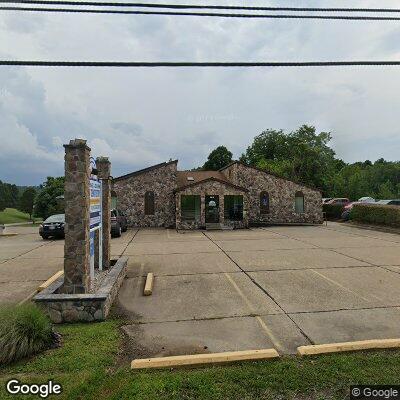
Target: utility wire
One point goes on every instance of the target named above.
(196, 6)
(201, 14)
(193, 64)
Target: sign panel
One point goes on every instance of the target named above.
(95, 203)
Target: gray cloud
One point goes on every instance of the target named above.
(139, 117)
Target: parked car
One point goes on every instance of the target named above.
(119, 223)
(52, 226)
(389, 202)
(366, 199)
(338, 201)
(347, 208)
(326, 199)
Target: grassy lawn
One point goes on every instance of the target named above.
(87, 367)
(11, 215)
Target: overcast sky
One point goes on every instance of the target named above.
(139, 117)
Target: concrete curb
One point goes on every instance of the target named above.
(348, 346)
(49, 281)
(202, 359)
(8, 234)
(148, 287)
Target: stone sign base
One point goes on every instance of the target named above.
(85, 307)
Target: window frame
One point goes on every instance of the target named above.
(149, 203)
(299, 194)
(226, 212)
(264, 210)
(197, 207)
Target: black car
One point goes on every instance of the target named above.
(119, 223)
(52, 226)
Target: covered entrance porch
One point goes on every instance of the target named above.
(211, 203)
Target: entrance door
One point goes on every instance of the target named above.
(212, 209)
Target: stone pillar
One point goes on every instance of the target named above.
(104, 173)
(203, 210)
(77, 217)
(221, 209)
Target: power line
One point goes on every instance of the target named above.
(196, 6)
(202, 14)
(141, 64)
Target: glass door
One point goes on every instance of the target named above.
(212, 209)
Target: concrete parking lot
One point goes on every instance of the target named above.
(26, 261)
(217, 291)
(276, 287)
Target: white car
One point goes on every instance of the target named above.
(366, 200)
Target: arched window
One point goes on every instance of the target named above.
(264, 203)
(149, 203)
(299, 202)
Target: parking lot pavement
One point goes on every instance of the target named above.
(279, 286)
(26, 260)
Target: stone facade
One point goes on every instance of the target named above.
(281, 196)
(214, 188)
(86, 307)
(169, 185)
(131, 189)
(77, 197)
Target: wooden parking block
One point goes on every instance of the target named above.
(49, 281)
(148, 287)
(348, 346)
(201, 359)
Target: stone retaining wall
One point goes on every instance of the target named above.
(85, 307)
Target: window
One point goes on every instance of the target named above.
(233, 208)
(149, 203)
(264, 203)
(190, 208)
(299, 202)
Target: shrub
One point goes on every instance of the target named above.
(333, 211)
(24, 330)
(376, 214)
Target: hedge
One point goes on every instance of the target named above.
(333, 211)
(376, 214)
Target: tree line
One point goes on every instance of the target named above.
(40, 202)
(304, 155)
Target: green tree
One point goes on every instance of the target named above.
(27, 201)
(301, 155)
(218, 158)
(9, 195)
(46, 202)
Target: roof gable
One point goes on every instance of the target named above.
(270, 173)
(144, 170)
(212, 178)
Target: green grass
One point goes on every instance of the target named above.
(11, 215)
(86, 368)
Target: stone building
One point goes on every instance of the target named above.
(236, 196)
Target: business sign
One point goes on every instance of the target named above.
(95, 209)
(95, 203)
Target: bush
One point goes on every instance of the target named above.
(24, 330)
(376, 214)
(333, 211)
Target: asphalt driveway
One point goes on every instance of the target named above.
(276, 287)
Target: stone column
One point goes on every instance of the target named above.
(221, 209)
(203, 210)
(104, 173)
(77, 217)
